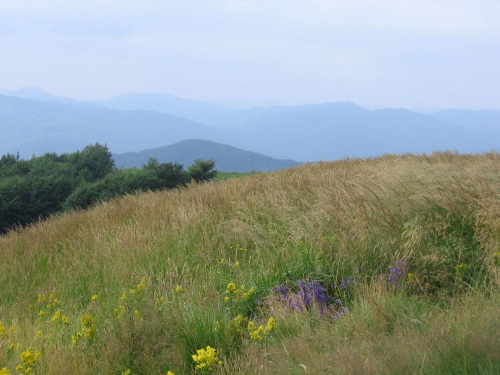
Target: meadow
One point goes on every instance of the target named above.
(388, 265)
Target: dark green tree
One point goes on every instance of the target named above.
(202, 170)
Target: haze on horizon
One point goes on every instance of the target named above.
(392, 53)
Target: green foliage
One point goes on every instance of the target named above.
(93, 162)
(35, 189)
(202, 170)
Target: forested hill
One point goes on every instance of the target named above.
(227, 158)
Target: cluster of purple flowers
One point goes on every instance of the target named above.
(340, 310)
(310, 293)
(395, 274)
(347, 282)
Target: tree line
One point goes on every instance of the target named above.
(34, 189)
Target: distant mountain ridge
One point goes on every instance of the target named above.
(186, 108)
(227, 158)
(36, 94)
(36, 127)
(479, 120)
(311, 132)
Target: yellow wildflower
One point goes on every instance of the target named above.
(120, 311)
(30, 357)
(5, 371)
(87, 320)
(179, 289)
(255, 334)
(94, 297)
(271, 324)
(57, 315)
(89, 328)
(206, 359)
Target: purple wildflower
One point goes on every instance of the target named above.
(395, 274)
(311, 293)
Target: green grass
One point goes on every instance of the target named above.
(160, 265)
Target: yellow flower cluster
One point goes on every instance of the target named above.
(29, 357)
(6, 333)
(137, 290)
(259, 333)
(120, 311)
(5, 371)
(89, 329)
(52, 301)
(237, 247)
(206, 359)
(59, 317)
(237, 294)
(179, 289)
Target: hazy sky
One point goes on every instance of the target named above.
(395, 53)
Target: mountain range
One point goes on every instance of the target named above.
(34, 122)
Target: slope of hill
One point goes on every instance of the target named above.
(227, 158)
(193, 110)
(358, 266)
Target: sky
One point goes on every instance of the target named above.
(416, 54)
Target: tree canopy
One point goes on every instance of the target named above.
(37, 188)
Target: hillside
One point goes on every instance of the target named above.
(360, 266)
(227, 158)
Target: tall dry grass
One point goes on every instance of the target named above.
(323, 221)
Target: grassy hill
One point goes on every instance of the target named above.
(378, 266)
(227, 158)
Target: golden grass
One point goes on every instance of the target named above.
(319, 220)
